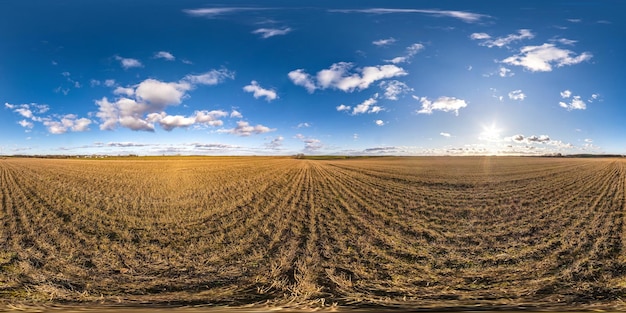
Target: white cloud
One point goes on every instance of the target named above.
(505, 72)
(235, 114)
(445, 104)
(300, 78)
(276, 143)
(447, 135)
(212, 77)
(566, 94)
(410, 52)
(151, 98)
(129, 92)
(69, 122)
(565, 41)
(214, 12)
(517, 95)
(338, 76)
(576, 104)
(134, 123)
(384, 42)
(24, 111)
(172, 121)
(310, 144)
(343, 107)
(379, 122)
(394, 88)
(304, 125)
(502, 41)
(164, 55)
(244, 129)
(259, 91)
(271, 32)
(588, 140)
(574, 20)
(467, 17)
(26, 124)
(480, 36)
(367, 106)
(128, 63)
(160, 94)
(169, 122)
(109, 82)
(542, 58)
(212, 118)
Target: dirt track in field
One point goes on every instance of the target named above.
(484, 232)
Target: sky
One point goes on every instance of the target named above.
(315, 77)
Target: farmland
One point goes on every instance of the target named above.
(426, 232)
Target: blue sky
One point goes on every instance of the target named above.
(313, 77)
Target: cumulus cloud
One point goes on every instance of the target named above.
(244, 129)
(447, 135)
(394, 88)
(310, 144)
(141, 106)
(26, 124)
(235, 114)
(505, 72)
(543, 58)
(575, 104)
(127, 63)
(410, 52)
(170, 122)
(366, 106)
(304, 125)
(343, 107)
(339, 76)
(275, 144)
(164, 55)
(212, 118)
(384, 42)
(379, 122)
(109, 82)
(129, 92)
(517, 95)
(271, 32)
(259, 91)
(300, 78)
(480, 36)
(56, 124)
(488, 41)
(566, 94)
(160, 94)
(445, 104)
(24, 111)
(467, 17)
(69, 122)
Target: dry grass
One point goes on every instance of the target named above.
(383, 232)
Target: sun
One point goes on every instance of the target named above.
(490, 133)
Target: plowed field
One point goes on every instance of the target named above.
(396, 232)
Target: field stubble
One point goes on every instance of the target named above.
(379, 232)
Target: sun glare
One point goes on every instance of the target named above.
(490, 133)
